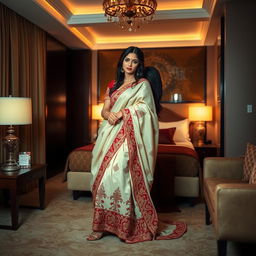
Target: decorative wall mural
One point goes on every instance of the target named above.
(183, 72)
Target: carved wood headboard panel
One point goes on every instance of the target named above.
(168, 115)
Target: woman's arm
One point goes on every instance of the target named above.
(106, 109)
(112, 117)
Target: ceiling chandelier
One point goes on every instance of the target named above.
(129, 14)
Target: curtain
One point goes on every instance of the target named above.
(23, 74)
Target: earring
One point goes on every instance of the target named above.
(122, 70)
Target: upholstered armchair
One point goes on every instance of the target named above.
(230, 202)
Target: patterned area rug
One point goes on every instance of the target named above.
(61, 230)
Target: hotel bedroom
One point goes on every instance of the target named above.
(60, 56)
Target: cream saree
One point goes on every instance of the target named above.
(122, 167)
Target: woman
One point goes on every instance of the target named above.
(124, 156)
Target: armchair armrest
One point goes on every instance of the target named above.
(223, 167)
(236, 211)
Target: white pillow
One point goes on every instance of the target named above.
(182, 129)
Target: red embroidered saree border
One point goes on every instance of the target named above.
(130, 230)
(180, 229)
(141, 193)
(118, 141)
(118, 92)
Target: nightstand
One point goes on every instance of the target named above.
(14, 181)
(206, 150)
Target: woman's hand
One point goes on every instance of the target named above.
(119, 114)
(114, 118)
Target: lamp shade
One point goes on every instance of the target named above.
(15, 111)
(96, 111)
(202, 113)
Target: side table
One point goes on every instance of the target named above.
(206, 150)
(14, 181)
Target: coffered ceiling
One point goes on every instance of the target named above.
(82, 24)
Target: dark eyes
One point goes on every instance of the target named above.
(128, 59)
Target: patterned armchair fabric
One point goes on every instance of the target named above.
(78, 161)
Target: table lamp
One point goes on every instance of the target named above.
(13, 111)
(200, 114)
(96, 115)
(96, 112)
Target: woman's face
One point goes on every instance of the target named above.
(130, 63)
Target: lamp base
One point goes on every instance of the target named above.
(11, 143)
(198, 143)
(199, 134)
(10, 167)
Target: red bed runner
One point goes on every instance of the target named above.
(85, 148)
(162, 148)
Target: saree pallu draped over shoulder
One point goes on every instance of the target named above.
(123, 164)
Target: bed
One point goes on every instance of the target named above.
(177, 171)
(176, 174)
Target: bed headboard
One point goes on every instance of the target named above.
(169, 115)
(175, 112)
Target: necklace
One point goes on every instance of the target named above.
(130, 80)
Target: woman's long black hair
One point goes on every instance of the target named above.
(120, 74)
(154, 78)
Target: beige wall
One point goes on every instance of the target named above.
(240, 80)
